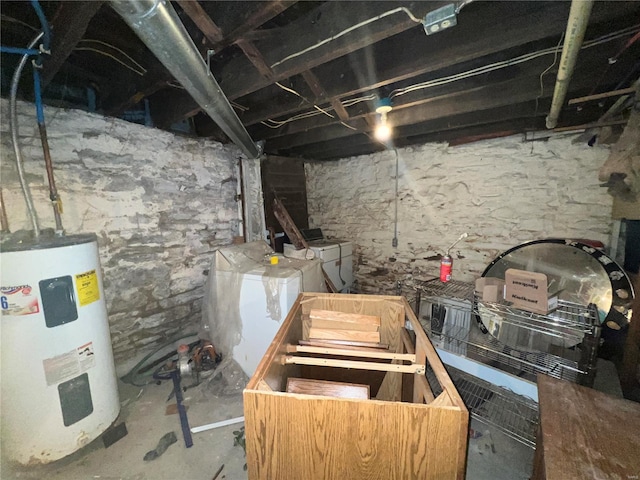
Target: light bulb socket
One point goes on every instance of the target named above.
(383, 105)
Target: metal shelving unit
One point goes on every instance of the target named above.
(570, 335)
(572, 330)
(568, 324)
(514, 415)
(484, 348)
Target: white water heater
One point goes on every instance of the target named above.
(59, 387)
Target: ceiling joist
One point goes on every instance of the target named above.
(466, 43)
(307, 44)
(69, 26)
(305, 76)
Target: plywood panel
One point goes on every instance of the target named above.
(338, 316)
(420, 442)
(361, 327)
(285, 177)
(391, 328)
(351, 335)
(369, 377)
(328, 389)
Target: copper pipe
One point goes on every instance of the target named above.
(53, 192)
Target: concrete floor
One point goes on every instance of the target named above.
(496, 456)
(492, 456)
(143, 410)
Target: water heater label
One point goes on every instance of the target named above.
(86, 356)
(20, 300)
(87, 285)
(69, 365)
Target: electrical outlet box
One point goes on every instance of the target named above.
(440, 19)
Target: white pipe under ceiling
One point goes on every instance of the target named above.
(576, 27)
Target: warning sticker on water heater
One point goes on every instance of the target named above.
(87, 285)
(19, 300)
(86, 356)
(69, 365)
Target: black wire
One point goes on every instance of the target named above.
(340, 265)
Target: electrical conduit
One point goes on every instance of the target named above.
(13, 125)
(159, 27)
(576, 27)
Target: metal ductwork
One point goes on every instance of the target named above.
(159, 27)
(576, 27)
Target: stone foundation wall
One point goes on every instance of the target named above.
(159, 203)
(502, 192)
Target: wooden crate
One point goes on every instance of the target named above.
(402, 432)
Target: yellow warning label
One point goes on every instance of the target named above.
(87, 286)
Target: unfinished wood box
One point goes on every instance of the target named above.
(402, 432)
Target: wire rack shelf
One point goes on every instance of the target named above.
(514, 415)
(569, 320)
(571, 333)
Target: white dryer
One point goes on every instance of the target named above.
(337, 260)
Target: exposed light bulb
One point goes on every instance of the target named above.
(382, 132)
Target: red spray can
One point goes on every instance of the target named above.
(446, 263)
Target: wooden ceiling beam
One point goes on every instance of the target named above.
(521, 110)
(474, 37)
(129, 94)
(256, 58)
(436, 100)
(214, 34)
(304, 47)
(452, 127)
(479, 99)
(357, 73)
(203, 21)
(308, 33)
(455, 130)
(320, 93)
(456, 136)
(257, 18)
(401, 103)
(68, 26)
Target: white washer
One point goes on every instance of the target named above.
(337, 260)
(247, 298)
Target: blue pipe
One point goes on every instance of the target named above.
(46, 40)
(19, 51)
(37, 89)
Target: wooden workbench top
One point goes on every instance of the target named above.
(586, 434)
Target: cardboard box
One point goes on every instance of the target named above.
(490, 289)
(528, 291)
